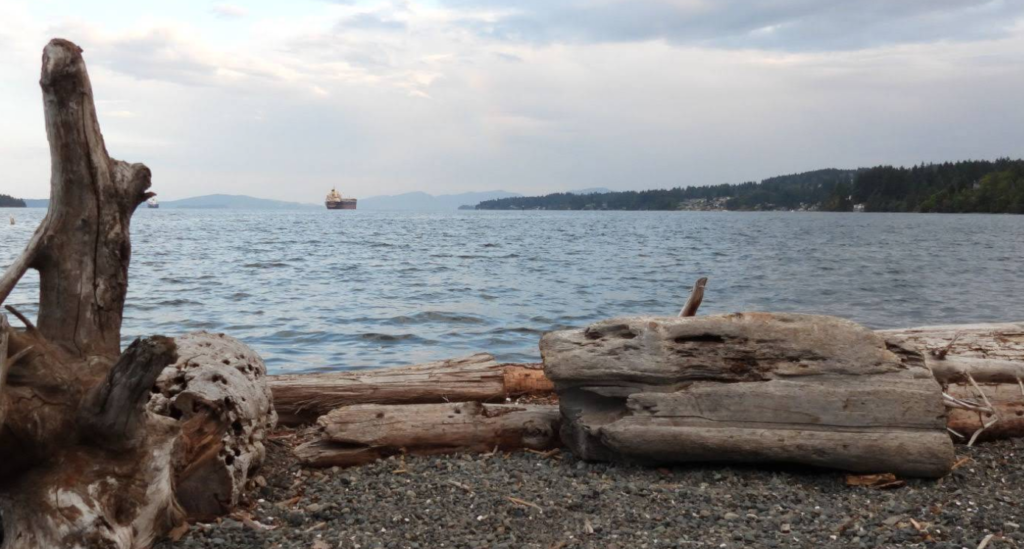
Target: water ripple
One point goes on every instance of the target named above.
(351, 290)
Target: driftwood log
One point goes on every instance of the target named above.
(982, 368)
(354, 435)
(302, 398)
(750, 387)
(95, 442)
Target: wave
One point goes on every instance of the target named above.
(388, 338)
(436, 316)
(266, 265)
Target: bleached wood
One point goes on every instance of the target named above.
(747, 387)
(695, 299)
(354, 435)
(889, 404)
(218, 393)
(921, 453)
(998, 341)
(301, 398)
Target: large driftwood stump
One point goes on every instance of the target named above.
(302, 398)
(751, 387)
(94, 445)
(354, 435)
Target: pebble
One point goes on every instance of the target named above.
(626, 506)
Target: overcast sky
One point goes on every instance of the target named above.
(283, 99)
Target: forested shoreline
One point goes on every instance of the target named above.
(8, 201)
(972, 186)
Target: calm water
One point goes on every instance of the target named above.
(339, 290)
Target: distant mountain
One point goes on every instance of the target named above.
(234, 202)
(37, 202)
(424, 201)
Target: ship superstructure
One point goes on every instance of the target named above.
(335, 201)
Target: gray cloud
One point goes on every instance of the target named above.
(370, 22)
(785, 25)
(287, 109)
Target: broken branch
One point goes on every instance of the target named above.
(696, 296)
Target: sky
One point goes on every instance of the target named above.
(286, 99)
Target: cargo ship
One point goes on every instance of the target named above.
(334, 201)
(152, 203)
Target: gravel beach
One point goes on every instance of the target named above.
(536, 501)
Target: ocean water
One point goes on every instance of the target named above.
(320, 290)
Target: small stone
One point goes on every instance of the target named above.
(786, 528)
(730, 516)
(1011, 525)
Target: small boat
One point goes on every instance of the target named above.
(152, 203)
(334, 201)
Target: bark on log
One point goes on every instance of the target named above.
(751, 387)
(92, 445)
(354, 435)
(302, 398)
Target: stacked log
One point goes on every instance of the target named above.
(439, 407)
(302, 398)
(750, 387)
(981, 370)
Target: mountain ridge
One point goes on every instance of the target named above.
(418, 200)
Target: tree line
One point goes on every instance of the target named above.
(973, 186)
(8, 201)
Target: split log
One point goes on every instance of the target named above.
(750, 387)
(302, 398)
(93, 445)
(355, 435)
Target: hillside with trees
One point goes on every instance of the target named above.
(7, 201)
(968, 186)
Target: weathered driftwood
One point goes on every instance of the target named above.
(981, 367)
(87, 459)
(751, 387)
(354, 435)
(217, 392)
(989, 352)
(302, 398)
(696, 297)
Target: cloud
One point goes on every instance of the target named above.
(781, 25)
(370, 22)
(229, 11)
(383, 97)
